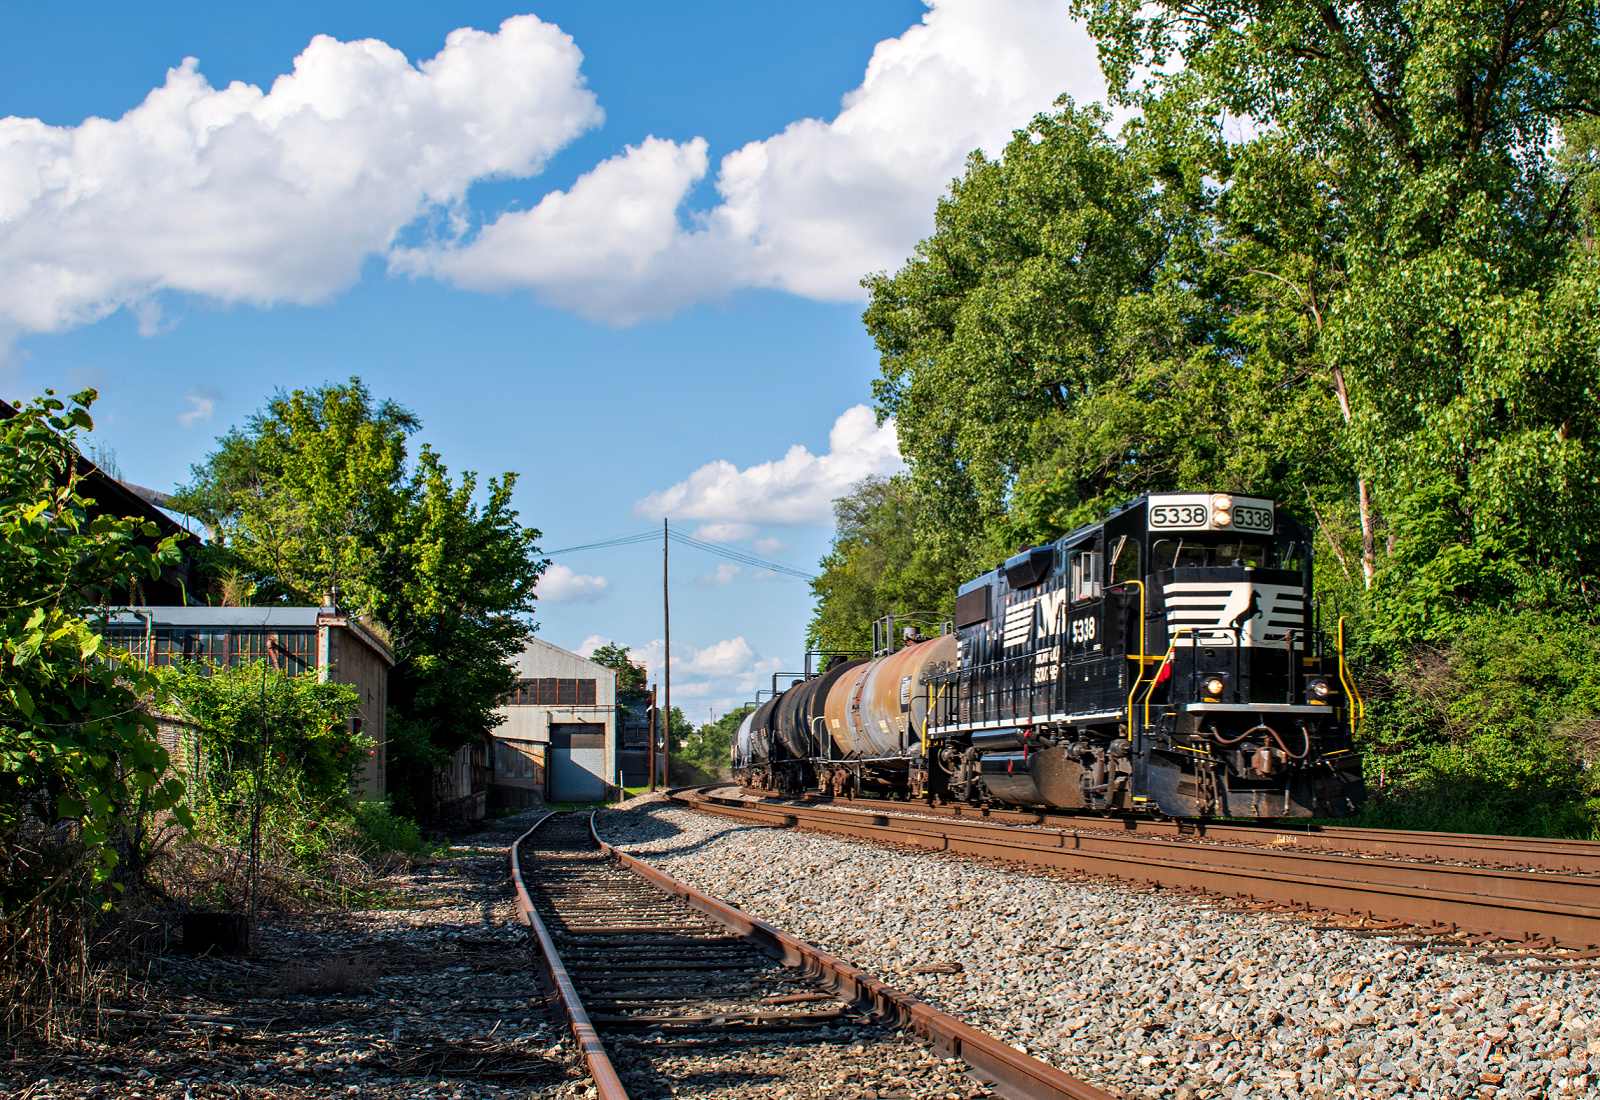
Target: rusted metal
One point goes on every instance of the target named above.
(1577, 856)
(1012, 1073)
(608, 1086)
(1487, 900)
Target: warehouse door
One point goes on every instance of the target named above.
(577, 762)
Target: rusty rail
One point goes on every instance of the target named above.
(1486, 900)
(608, 1086)
(1487, 849)
(1012, 1073)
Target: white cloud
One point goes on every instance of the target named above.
(798, 488)
(722, 577)
(561, 585)
(809, 210)
(591, 643)
(241, 195)
(717, 677)
(204, 401)
(770, 546)
(724, 532)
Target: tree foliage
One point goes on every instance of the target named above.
(77, 744)
(1344, 256)
(316, 492)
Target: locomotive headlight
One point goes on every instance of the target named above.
(1213, 686)
(1222, 510)
(1319, 690)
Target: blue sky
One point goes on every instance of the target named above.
(530, 236)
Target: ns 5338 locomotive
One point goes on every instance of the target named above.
(1165, 660)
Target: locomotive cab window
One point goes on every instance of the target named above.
(1124, 563)
(1085, 575)
(1291, 555)
(1193, 554)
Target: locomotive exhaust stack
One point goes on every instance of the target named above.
(1165, 660)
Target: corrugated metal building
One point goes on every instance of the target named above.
(559, 737)
(293, 639)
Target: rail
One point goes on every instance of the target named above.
(1495, 901)
(608, 1086)
(1013, 1074)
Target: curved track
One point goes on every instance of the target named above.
(1506, 904)
(645, 967)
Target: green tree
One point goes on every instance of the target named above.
(1070, 337)
(303, 495)
(316, 492)
(630, 677)
(1409, 191)
(455, 584)
(878, 566)
(709, 749)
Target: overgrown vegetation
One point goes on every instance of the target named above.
(706, 753)
(316, 493)
(81, 772)
(1373, 302)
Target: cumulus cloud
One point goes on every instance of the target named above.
(717, 677)
(203, 400)
(278, 196)
(722, 577)
(809, 210)
(240, 195)
(561, 585)
(724, 532)
(770, 546)
(797, 489)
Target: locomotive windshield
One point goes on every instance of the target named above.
(1201, 553)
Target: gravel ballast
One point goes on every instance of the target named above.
(1150, 994)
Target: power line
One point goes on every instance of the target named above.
(721, 550)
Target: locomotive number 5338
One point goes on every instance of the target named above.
(1083, 630)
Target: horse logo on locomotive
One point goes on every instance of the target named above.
(1164, 660)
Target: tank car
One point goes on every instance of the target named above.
(1164, 660)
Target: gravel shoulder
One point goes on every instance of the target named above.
(435, 995)
(1149, 993)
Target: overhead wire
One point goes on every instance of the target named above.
(722, 550)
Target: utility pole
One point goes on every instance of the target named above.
(650, 752)
(666, 620)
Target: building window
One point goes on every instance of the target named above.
(551, 691)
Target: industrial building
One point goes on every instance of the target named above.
(558, 740)
(294, 639)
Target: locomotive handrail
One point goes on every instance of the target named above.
(1359, 712)
(1143, 658)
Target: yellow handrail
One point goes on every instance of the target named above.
(1359, 711)
(1139, 678)
(1171, 652)
(926, 718)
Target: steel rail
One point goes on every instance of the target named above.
(1483, 848)
(608, 1086)
(1486, 900)
(1010, 1072)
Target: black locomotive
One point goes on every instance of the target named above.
(1164, 660)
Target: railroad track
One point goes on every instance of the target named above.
(1484, 850)
(1536, 909)
(672, 992)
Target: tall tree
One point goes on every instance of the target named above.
(1408, 191)
(316, 492)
